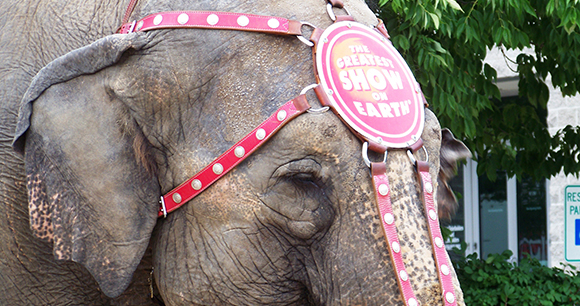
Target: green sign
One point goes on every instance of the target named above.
(572, 223)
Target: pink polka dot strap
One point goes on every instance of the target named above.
(213, 20)
(439, 252)
(383, 196)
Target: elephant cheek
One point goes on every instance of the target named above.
(300, 214)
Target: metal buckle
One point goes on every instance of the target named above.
(163, 208)
(302, 38)
(132, 27)
(331, 12)
(365, 155)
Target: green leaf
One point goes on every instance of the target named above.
(435, 19)
(445, 46)
(454, 5)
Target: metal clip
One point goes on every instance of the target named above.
(331, 12)
(302, 38)
(365, 155)
(412, 157)
(163, 208)
(132, 27)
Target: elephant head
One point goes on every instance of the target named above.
(108, 128)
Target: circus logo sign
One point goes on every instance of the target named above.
(370, 85)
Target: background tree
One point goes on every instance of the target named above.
(445, 43)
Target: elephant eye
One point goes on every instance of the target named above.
(304, 173)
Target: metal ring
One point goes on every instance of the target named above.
(314, 110)
(412, 157)
(163, 208)
(319, 110)
(132, 27)
(331, 12)
(365, 155)
(307, 88)
(302, 38)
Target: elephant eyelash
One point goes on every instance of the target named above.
(304, 173)
(305, 178)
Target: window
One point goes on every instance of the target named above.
(499, 215)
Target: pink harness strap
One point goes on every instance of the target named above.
(214, 20)
(441, 259)
(233, 156)
(383, 197)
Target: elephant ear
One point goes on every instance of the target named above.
(89, 191)
(452, 151)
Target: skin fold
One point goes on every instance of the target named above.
(106, 129)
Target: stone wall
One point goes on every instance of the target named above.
(562, 111)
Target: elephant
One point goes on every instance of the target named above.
(96, 126)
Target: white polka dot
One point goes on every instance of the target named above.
(438, 242)
(432, 215)
(260, 134)
(157, 20)
(282, 115)
(449, 297)
(445, 269)
(413, 302)
(239, 151)
(396, 247)
(273, 23)
(428, 187)
(183, 18)
(389, 218)
(383, 189)
(213, 19)
(243, 21)
(196, 184)
(218, 168)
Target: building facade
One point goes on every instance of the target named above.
(524, 216)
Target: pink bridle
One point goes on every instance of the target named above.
(290, 110)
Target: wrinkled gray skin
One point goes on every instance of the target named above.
(33, 33)
(106, 129)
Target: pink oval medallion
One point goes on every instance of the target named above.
(370, 85)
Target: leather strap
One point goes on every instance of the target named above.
(382, 29)
(214, 20)
(233, 156)
(129, 10)
(383, 200)
(336, 3)
(441, 259)
(340, 18)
